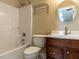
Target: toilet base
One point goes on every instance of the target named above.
(33, 56)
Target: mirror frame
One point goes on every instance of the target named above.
(65, 4)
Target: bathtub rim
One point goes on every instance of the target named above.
(13, 50)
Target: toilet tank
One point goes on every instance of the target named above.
(39, 41)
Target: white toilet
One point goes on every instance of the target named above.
(32, 52)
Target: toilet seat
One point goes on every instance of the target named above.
(31, 50)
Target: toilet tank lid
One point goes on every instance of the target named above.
(31, 50)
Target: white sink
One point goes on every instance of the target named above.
(60, 34)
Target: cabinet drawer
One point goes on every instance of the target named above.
(74, 43)
(58, 42)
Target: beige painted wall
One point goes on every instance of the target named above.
(14, 3)
(45, 23)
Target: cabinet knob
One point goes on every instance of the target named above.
(68, 52)
(54, 53)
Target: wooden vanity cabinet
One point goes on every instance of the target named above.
(71, 53)
(54, 53)
(57, 48)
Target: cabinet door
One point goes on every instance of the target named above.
(71, 53)
(54, 53)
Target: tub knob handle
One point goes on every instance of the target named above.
(23, 34)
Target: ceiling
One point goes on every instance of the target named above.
(17, 3)
(11, 2)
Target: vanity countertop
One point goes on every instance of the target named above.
(70, 36)
(39, 35)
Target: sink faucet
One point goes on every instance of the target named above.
(66, 31)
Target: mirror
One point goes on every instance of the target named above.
(67, 12)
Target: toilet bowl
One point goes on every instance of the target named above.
(32, 52)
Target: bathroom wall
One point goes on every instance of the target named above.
(8, 27)
(44, 23)
(14, 3)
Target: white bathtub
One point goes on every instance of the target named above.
(16, 53)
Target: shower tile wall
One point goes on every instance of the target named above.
(8, 27)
